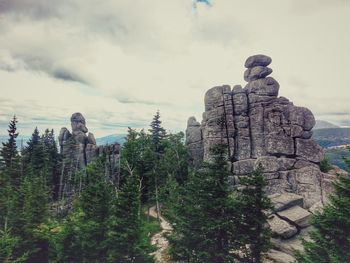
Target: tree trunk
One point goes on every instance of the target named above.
(157, 201)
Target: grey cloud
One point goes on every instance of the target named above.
(136, 101)
(130, 100)
(339, 113)
(42, 63)
(297, 82)
(345, 122)
(66, 75)
(37, 9)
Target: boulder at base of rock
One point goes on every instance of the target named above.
(316, 208)
(286, 200)
(281, 228)
(296, 215)
(278, 257)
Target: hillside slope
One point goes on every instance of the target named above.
(332, 136)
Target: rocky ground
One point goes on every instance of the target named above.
(160, 239)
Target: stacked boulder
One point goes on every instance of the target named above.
(81, 144)
(260, 128)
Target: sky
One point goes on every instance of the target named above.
(118, 62)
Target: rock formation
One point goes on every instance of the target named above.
(81, 145)
(260, 128)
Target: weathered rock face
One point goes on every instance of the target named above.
(259, 127)
(82, 146)
(194, 140)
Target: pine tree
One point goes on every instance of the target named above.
(330, 239)
(52, 158)
(137, 155)
(10, 177)
(9, 246)
(9, 151)
(84, 237)
(157, 131)
(205, 218)
(175, 158)
(253, 230)
(34, 214)
(34, 156)
(124, 228)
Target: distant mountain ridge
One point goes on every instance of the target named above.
(21, 140)
(109, 139)
(332, 136)
(320, 124)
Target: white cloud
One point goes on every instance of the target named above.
(117, 62)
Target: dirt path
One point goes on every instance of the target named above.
(160, 240)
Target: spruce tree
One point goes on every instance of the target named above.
(52, 159)
(9, 151)
(157, 131)
(34, 156)
(124, 226)
(330, 239)
(34, 214)
(253, 232)
(9, 246)
(205, 219)
(10, 179)
(175, 157)
(84, 234)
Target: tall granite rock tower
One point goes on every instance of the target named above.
(81, 145)
(259, 127)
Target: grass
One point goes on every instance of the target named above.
(149, 227)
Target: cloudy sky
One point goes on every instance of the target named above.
(118, 61)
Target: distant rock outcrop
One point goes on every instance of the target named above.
(260, 128)
(81, 145)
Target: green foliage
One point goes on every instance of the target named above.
(124, 229)
(53, 159)
(34, 157)
(10, 175)
(149, 227)
(105, 225)
(9, 246)
(214, 223)
(336, 157)
(84, 231)
(169, 197)
(158, 133)
(175, 158)
(325, 165)
(253, 231)
(9, 151)
(203, 228)
(330, 240)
